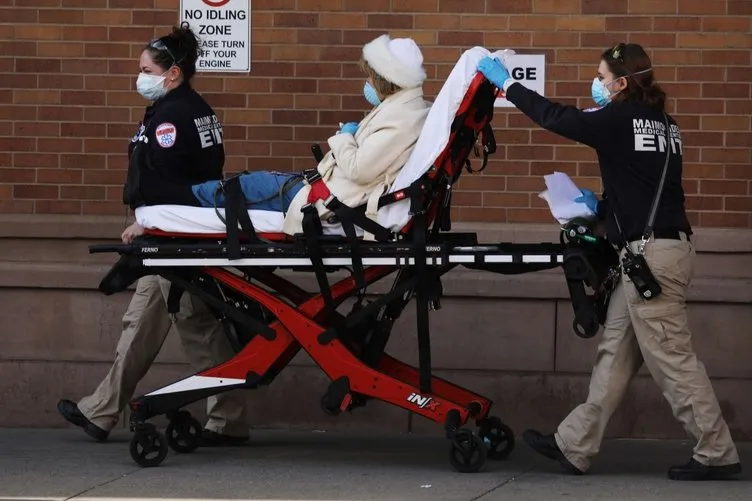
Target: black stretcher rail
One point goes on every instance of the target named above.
(371, 254)
(485, 258)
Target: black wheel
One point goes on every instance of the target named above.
(148, 446)
(467, 454)
(588, 330)
(331, 410)
(498, 437)
(183, 433)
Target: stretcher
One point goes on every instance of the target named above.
(232, 257)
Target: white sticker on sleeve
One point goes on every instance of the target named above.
(166, 135)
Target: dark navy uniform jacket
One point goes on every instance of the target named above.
(630, 141)
(179, 143)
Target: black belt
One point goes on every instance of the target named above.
(665, 234)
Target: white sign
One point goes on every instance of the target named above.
(529, 70)
(223, 28)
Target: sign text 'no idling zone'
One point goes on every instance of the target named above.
(223, 29)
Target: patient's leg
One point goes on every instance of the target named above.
(263, 190)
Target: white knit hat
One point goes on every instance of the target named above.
(399, 61)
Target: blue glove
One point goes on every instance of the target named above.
(349, 128)
(588, 198)
(494, 71)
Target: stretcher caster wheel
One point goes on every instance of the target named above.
(183, 432)
(498, 437)
(587, 330)
(467, 453)
(328, 408)
(148, 446)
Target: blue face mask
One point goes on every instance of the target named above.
(600, 93)
(370, 94)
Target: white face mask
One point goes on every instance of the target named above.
(151, 86)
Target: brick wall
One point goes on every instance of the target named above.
(68, 105)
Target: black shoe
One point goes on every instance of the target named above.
(213, 439)
(73, 415)
(546, 445)
(698, 471)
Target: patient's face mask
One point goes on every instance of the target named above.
(151, 87)
(370, 94)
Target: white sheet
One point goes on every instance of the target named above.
(186, 219)
(203, 220)
(435, 134)
(560, 197)
(432, 141)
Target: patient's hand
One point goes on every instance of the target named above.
(349, 128)
(132, 232)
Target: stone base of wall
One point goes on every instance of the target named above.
(507, 337)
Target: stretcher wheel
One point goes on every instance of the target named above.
(328, 408)
(148, 446)
(588, 330)
(467, 453)
(183, 432)
(498, 437)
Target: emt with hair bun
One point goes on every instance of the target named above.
(636, 142)
(179, 142)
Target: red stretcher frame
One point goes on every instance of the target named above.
(392, 381)
(299, 326)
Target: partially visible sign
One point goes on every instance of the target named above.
(223, 28)
(529, 70)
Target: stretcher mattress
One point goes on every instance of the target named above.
(204, 220)
(431, 143)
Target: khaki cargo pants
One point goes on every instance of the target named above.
(145, 327)
(654, 332)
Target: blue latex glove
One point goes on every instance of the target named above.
(588, 198)
(349, 128)
(494, 71)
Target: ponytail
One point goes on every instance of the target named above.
(179, 48)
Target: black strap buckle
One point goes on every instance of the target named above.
(312, 175)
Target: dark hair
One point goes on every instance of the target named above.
(179, 48)
(631, 61)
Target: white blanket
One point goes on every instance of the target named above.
(432, 141)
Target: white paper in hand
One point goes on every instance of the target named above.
(560, 197)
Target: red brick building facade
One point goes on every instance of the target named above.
(69, 105)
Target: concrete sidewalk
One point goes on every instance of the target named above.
(287, 466)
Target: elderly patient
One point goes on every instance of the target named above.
(364, 158)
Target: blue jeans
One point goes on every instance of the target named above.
(261, 190)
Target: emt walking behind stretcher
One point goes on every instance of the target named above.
(628, 133)
(364, 158)
(179, 142)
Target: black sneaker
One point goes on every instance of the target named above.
(698, 471)
(73, 415)
(213, 439)
(546, 445)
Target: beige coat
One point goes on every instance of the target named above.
(358, 169)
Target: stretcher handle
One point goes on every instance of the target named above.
(102, 248)
(318, 155)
